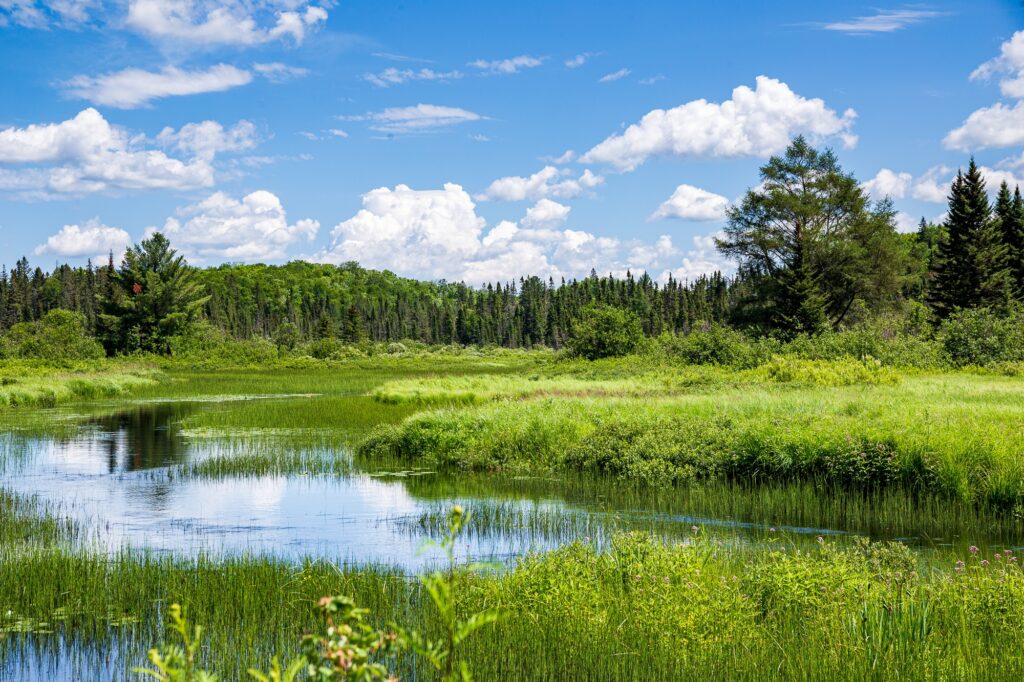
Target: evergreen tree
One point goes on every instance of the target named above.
(1009, 213)
(973, 270)
(156, 295)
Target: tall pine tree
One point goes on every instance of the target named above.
(1009, 213)
(973, 269)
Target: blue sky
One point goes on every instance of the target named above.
(477, 141)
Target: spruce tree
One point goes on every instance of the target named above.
(1009, 213)
(972, 270)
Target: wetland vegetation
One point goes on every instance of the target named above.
(813, 470)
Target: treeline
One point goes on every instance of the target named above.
(814, 255)
(304, 301)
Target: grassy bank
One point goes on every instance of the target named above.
(953, 434)
(29, 384)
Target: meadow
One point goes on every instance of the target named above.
(816, 518)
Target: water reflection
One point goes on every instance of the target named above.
(142, 437)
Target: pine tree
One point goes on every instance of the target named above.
(972, 270)
(1009, 213)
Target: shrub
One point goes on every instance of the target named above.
(58, 337)
(983, 337)
(715, 344)
(605, 332)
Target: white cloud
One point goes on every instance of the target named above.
(546, 213)
(1010, 62)
(220, 227)
(276, 72)
(337, 132)
(692, 203)
(92, 239)
(548, 181)
(87, 154)
(506, 66)
(703, 259)
(437, 234)
(565, 157)
(887, 183)
(44, 13)
(614, 75)
(133, 88)
(206, 139)
(756, 122)
(422, 232)
(651, 80)
(421, 118)
(933, 185)
(224, 22)
(392, 76)
(994, 126)
(883, 21)
(906, 223)
(579, 60)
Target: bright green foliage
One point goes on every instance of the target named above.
(349, 650)
(807, 240)
(59, 337)
(982, 336)
(156, 296)
(442, 653)
(973, 270)
(177, 663)
(605, 332)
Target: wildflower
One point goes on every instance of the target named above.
(694, 529)
(959, 567)
(820, 539)
(772, 529)
(997, 556)
(973, 549)
(984, 562)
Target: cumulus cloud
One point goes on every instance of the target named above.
(439, 235)
(206, 139)
(224, 22)
(887, 183)
(1010, 64)
(392, 76)
(507, 66)
(87, 154)
(254, 228)
(883, 21)
(132, 88)
(757, 122)
(614, 75)
(91, 239)
(548, 181)
(933, 185)
(692, 203)
(546, 213)
(995, 126)
(422, 118)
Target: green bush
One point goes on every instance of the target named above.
(606, 332)
(715, 344)
(59, 337)
(983, 337)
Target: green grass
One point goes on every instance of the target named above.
(956, 435)
(25, 384)
(593, 449)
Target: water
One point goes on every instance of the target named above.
(119, 477)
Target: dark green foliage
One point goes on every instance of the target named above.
(973, 268)
(716, 344)
(155, 296)
(1009, 215)
(810, 245)
(605, 332)
(58, 337)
